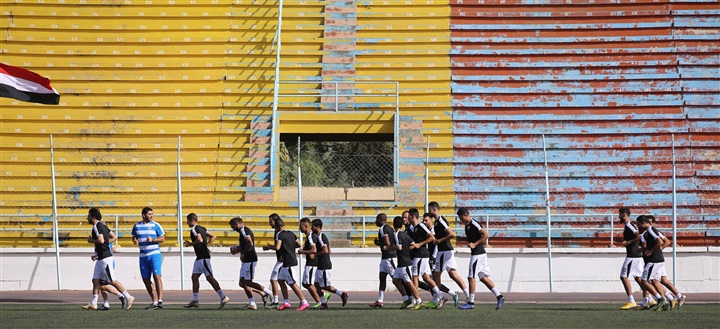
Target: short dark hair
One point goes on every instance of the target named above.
(145, 210)
(625, 210)
(463, 212)
(651, 218)
(317, 222)
(236, 220)
(406, 212)
(279, 222)
(433, 204)
(274, 217)
(191, 216)
(305, 220)
(427, 214)
(398, 222)
(413, 212)
(643, 219)
(95, 213)
(382, 217)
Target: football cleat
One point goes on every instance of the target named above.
(122, 301)
(673, 303)
(405, 304)
(681, 301)
(628, 306)
(376, 304)
(303, 306)
(266, 298)
(90, 307)
(192, 304)
(442, 302)
(251, 306)
(324, 306)
(660, 305)
(284, 306)
(467, 306)
(224, 302)
(431, 304)
(326, 297)
(104, 308)
(129, 302)
(418, 306)
(456, 298)
(500, 302)
(152, 307)
(344, 298)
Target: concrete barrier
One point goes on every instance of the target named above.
(355, 269)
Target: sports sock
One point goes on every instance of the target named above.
(106, 304)
(159, 301)
(495, 292)
(251, 300)
(436, 293)
(451, 293)
(195, 297)
(126, 294)
(466, 292)
(471, 299)
(669, 295)
(94, 300)
(381, 296)
(338, 292)
(658, 296)
(645, 301)
(303, 302)
(221, 294)
(275, 299)
(412, 299)
(679, 296)
(267, 291)
(286, 301)
(418, 301)
(631, 299)
(155, 303)
(406, 298)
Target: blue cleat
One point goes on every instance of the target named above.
(467, 306)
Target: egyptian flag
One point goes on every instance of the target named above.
(26, 86)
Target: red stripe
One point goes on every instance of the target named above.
(25, 74)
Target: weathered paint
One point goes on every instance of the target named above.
(607, 83)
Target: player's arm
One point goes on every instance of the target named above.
(100, 239)
(323, 251)
(430, 239)
(483, 238)
(134, 236)
(211, 237)
(635, 238)
(450, 235)
(112, 236)
(278, 244)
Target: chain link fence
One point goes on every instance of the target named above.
(337, 164)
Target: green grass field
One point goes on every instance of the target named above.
(360, 316)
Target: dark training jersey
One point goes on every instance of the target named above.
(420, 234)
(250, 255)
(201, 249)
(309, 243)
(403, 256)
(386, 230)
(650, 236)
(287, 249)
(473, 233)
(324, 262)
(441, 225)
(632, 250)
(102, 250)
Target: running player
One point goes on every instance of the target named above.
(278, 263)
(286, 243)
(323, 274)
(679, 299)
(248, 258)
(101, 237)
(476, 235)
(200, 238)
(633, 265)
(311, 263)
(148, 235)
(387, 266)
(654, 262)
(402, 276)
(418, 250)
(446, 255)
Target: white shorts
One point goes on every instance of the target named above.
(322, 277)
(403, 273)
(653, 271)
(247, 271)
(309, 275)
(445, 261)
(275, 271)
(387, 266)
(632, 267)
(478, 266)
(202, 266)
(421, 266)
(287, 274)
(104, 270)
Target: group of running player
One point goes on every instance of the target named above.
(423, 249)
(644, 244)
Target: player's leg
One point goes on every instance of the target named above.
(157, 276)
(195, 278)
(308, 282)
(274, 282)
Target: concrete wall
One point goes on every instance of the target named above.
(513, 270)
